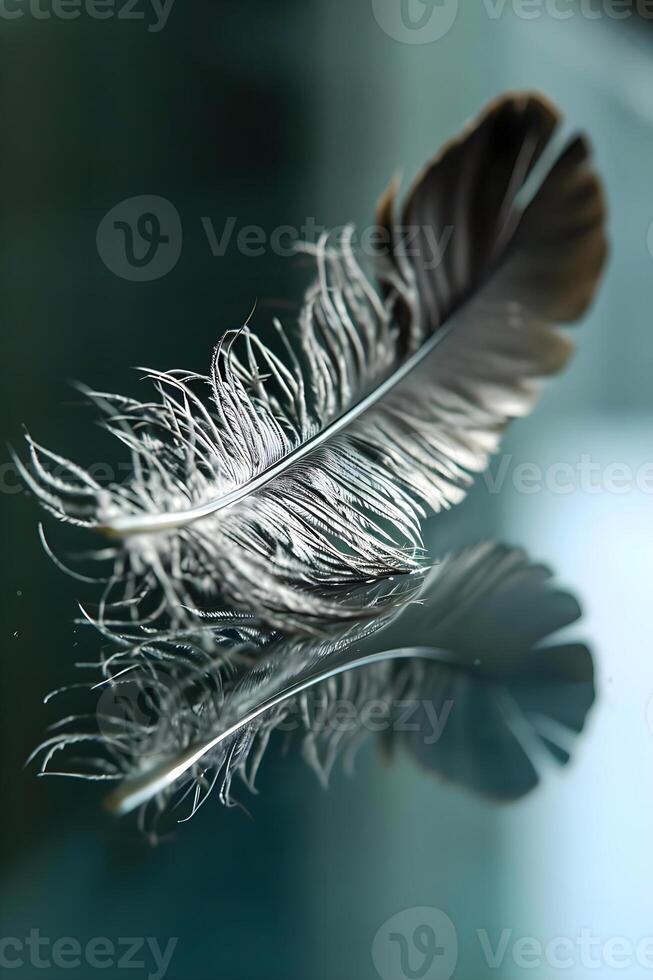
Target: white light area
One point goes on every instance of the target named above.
(580, 849)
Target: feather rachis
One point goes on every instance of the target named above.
(468, 634)
(317, 471)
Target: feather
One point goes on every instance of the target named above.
(463, 647)
(288, 474)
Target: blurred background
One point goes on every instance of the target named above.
(258, 114)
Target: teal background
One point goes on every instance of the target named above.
(275, 112)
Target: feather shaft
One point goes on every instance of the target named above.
(134, 794)
(152, 523)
